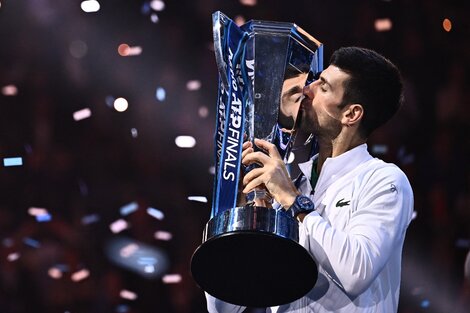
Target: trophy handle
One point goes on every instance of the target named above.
(218, 30)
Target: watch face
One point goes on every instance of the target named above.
(305, 203)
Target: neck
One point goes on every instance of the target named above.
(334, 147)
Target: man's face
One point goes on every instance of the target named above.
(321, 114)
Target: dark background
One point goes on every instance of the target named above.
(93, 167)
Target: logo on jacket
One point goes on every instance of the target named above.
(342, 203)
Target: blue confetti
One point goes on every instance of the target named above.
(160, 94)
(13, 161)
(129, 208)
(425, 304)
(31, 242)
(43, 218)
(89, 219)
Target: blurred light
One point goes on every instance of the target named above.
(203, 112)
(129, 208)
(80, 275)
(81, 114)
(212, 170)
(172, 279)
(160, 94)
(157, 5)
(425, 303)
(239, 20)
(13, 256)
(462, 243)
(185, 141)
(44, 218)
(37, 211)
(163, 235)
(18, 161)
(128, 295)
(383, 24)
(9, 90)
(447, 25)
(78, 49)
(198, 199)
(145, 9)
(147, 261)
(89, 219)
(118, 226)
(121, 104)
(291, 158)
(129, 250)
(54, 273)
(248, 2)
(125, 50)
(156, 213)
(90, 6)
(134, 132)
(28, 148)
(193, 85)
(109, 100)
(83, 187)
(154, 18)
(414, 215)
(122, 308)
(379, 149)
(31, 242)
(7, 242)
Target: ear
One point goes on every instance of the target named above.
(353, 115)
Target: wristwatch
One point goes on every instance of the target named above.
(302, 204)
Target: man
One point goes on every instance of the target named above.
(361, 205)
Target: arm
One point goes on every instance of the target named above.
(353, 257)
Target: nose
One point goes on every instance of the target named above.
(308, 90)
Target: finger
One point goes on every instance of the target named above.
(252, 175)
(246, 152)
(269, 147)
(247, 144)
(256, 182)
(255, 157)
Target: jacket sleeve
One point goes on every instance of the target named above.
(215, 305)
(355, 255)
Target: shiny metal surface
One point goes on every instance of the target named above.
(253, 219)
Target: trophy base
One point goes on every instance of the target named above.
(251, 257)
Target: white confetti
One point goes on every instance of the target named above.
(80, 275)
(129, 250)
(129, 208)
(16, 161)
(13, 256)
(185, 141)
(128, 295)
(163, 235)
(156, 213)
(383, 24)
(118, 226)
(90, 6)
(82, 114)
(9, 90)
(171, 278)
(198, 199)
(193, 85)
(121, 104)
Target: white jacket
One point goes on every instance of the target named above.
(356, 233)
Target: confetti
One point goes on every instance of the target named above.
(9, 90)
(193, 85)
(134, 133)
(128, 295)
(118, 226)
(383, 24)
(83, 187)
(122, 308)
(291, 158)
(249, 2)
(198, 199)
(185, 141)
(90, 6)
(120, 104)
(212, 170)
(31, 242)
(55, 273)
(89, 219)
(43, 218)
(203, 112)
(160, 94)
(154, 18)
(156, 213)
(80, 275)
(13, 256)
(129, 208)
(7, 242)
(447, 25)
(379, 149)
(37, 211)
(163, 235)
(17, 161)
(171, 278)
(125, 50)
(129, 250)
(157, 5)
(82, 114)
(414, 215)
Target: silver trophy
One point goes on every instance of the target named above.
(250, 253)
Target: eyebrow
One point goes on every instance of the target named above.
(292, 91)
(323, 79)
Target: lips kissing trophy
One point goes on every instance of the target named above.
(250, 253)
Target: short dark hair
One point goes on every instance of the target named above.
(375, 83)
